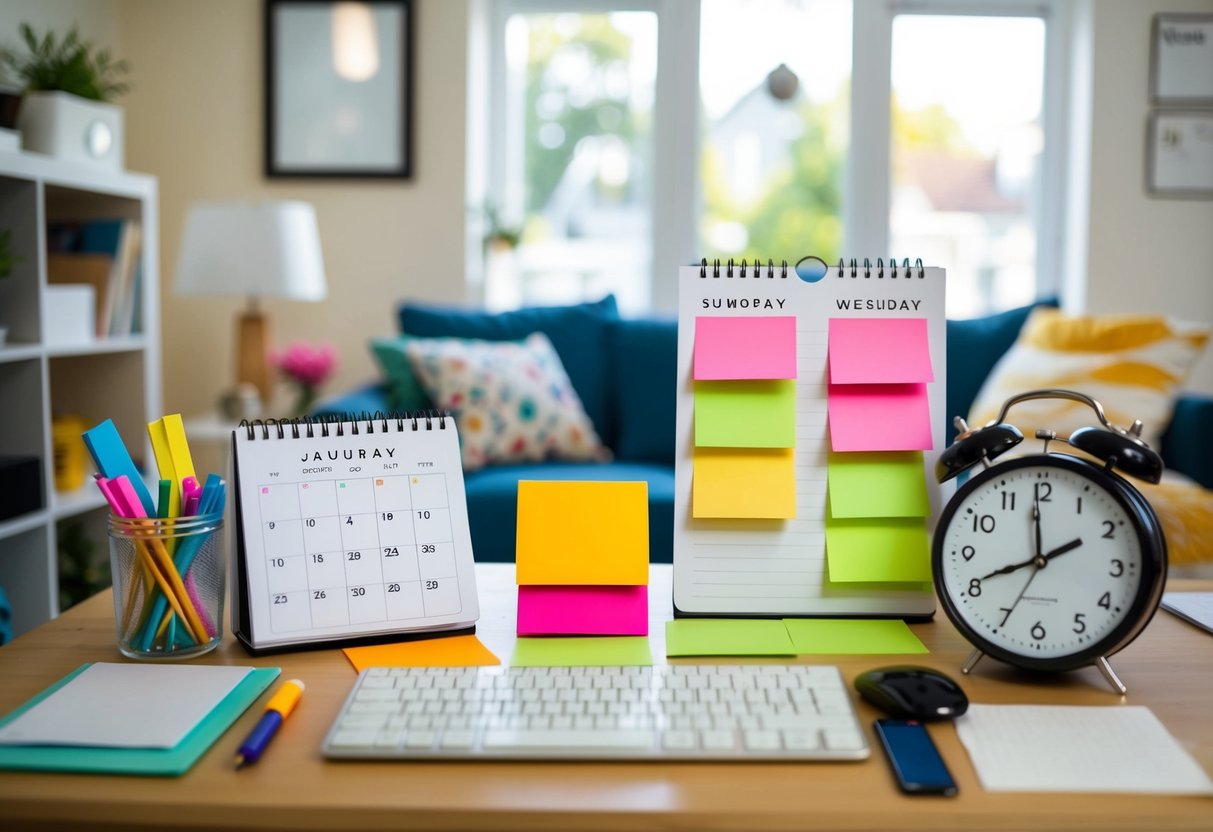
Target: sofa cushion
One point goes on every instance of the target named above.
(579, 334)
(644, 373)
(974, 347)
(493, 502)
(404, 390)
(512, 401)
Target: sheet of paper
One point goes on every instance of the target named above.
(879, 351)
(1057, 748)
(125, 706)
(874, 549)
(825, 636)
(745, 414)
(578, 533)
(1194, 607)
(878, 484)
(583, 610)
(452, 651)
(879, 417)
(727, 637)
(563, 651)
(730, 348)
(754, 483)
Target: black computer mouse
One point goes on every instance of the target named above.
(908, 692)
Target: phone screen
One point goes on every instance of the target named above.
(915, 760)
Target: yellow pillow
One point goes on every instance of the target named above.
(1135, 365)
(1185, 511)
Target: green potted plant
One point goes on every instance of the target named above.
(69, 84)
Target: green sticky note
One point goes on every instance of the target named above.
(852, 635)
(878, 549)
(877, 484)
(745, 414)
(582, 651)
(727, 637)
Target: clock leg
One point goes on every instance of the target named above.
(1110, 675)
(971, 662)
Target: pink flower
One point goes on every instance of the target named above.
(306, 365)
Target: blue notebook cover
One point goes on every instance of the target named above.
(165, 762)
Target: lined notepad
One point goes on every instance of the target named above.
(752, 507)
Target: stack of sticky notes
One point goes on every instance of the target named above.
(745, 417)
(583, 558)
(879, 425)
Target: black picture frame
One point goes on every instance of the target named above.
(319, 121)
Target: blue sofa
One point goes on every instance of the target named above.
(624, 370)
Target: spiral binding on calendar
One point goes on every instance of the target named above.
(853, 269)
(845, 268)
(335, 424)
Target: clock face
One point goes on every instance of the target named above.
(1045, 561)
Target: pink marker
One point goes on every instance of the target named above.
(191, 493)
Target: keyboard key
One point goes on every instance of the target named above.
(567, 739)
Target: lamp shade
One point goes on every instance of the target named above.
(259, 249)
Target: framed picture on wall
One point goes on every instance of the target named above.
(1179, 154)
(338, 88)
(1181, 59)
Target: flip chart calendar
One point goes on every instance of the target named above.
(350, 529)
(810, 411)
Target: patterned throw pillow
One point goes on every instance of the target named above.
(1135, 365)
(512, 400)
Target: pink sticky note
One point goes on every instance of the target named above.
(879, 417)
(730, 348)
(879, 351)
(545, 610)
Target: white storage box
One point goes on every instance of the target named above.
(71, 315)
(71, 127)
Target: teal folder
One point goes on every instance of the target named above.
(164, 762)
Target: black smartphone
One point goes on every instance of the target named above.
(915, 759)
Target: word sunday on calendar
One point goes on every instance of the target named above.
(368, 536)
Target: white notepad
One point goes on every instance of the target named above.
(1056, 748)
(125, 706)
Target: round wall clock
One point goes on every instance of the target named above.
(1050, 561)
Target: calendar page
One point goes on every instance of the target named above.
(351, 533)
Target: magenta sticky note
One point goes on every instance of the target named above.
(879, 417)
(731, 348)
(879, 351)
(545, 610)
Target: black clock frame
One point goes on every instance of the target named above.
(1153, 572)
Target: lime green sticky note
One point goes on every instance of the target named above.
(852, 635)
(878, 549)
(877, 484)
(727, 637)
(582, 651)
(745, 414)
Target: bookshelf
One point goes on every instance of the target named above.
(115, 377)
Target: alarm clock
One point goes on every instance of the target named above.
(1049, 561)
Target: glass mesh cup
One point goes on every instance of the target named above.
(168, 578)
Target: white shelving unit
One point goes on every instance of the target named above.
(112, 378)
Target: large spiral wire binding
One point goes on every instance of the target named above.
(743, 269)
(334, 424)
(907, 271)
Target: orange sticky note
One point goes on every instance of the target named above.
(453, 651)
(583, 533)
(752, 483)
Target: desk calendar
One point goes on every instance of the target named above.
(350, 529)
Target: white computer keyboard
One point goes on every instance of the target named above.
(665, 712)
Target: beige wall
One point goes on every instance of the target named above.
(1144, 253)
(195, 121)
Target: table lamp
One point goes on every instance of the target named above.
(257, 249)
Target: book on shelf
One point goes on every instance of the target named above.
(106, 254)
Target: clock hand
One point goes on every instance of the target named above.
(1063, 548)
(1006, 570)
(1036, 519)
(1019, 597)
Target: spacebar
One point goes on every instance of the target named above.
(504, 738)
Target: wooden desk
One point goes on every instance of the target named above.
(1169, 668)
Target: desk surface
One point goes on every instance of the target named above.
(1169, 668)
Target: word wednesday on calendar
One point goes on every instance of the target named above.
(357, 534)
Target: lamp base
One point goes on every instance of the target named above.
(252, 351)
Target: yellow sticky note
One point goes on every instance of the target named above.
(453, 651)
(890, 549)
(178, 447)
(165, 464)
(750, 483)
(878, 484)
(579, 533)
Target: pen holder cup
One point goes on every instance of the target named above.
(168, 578)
